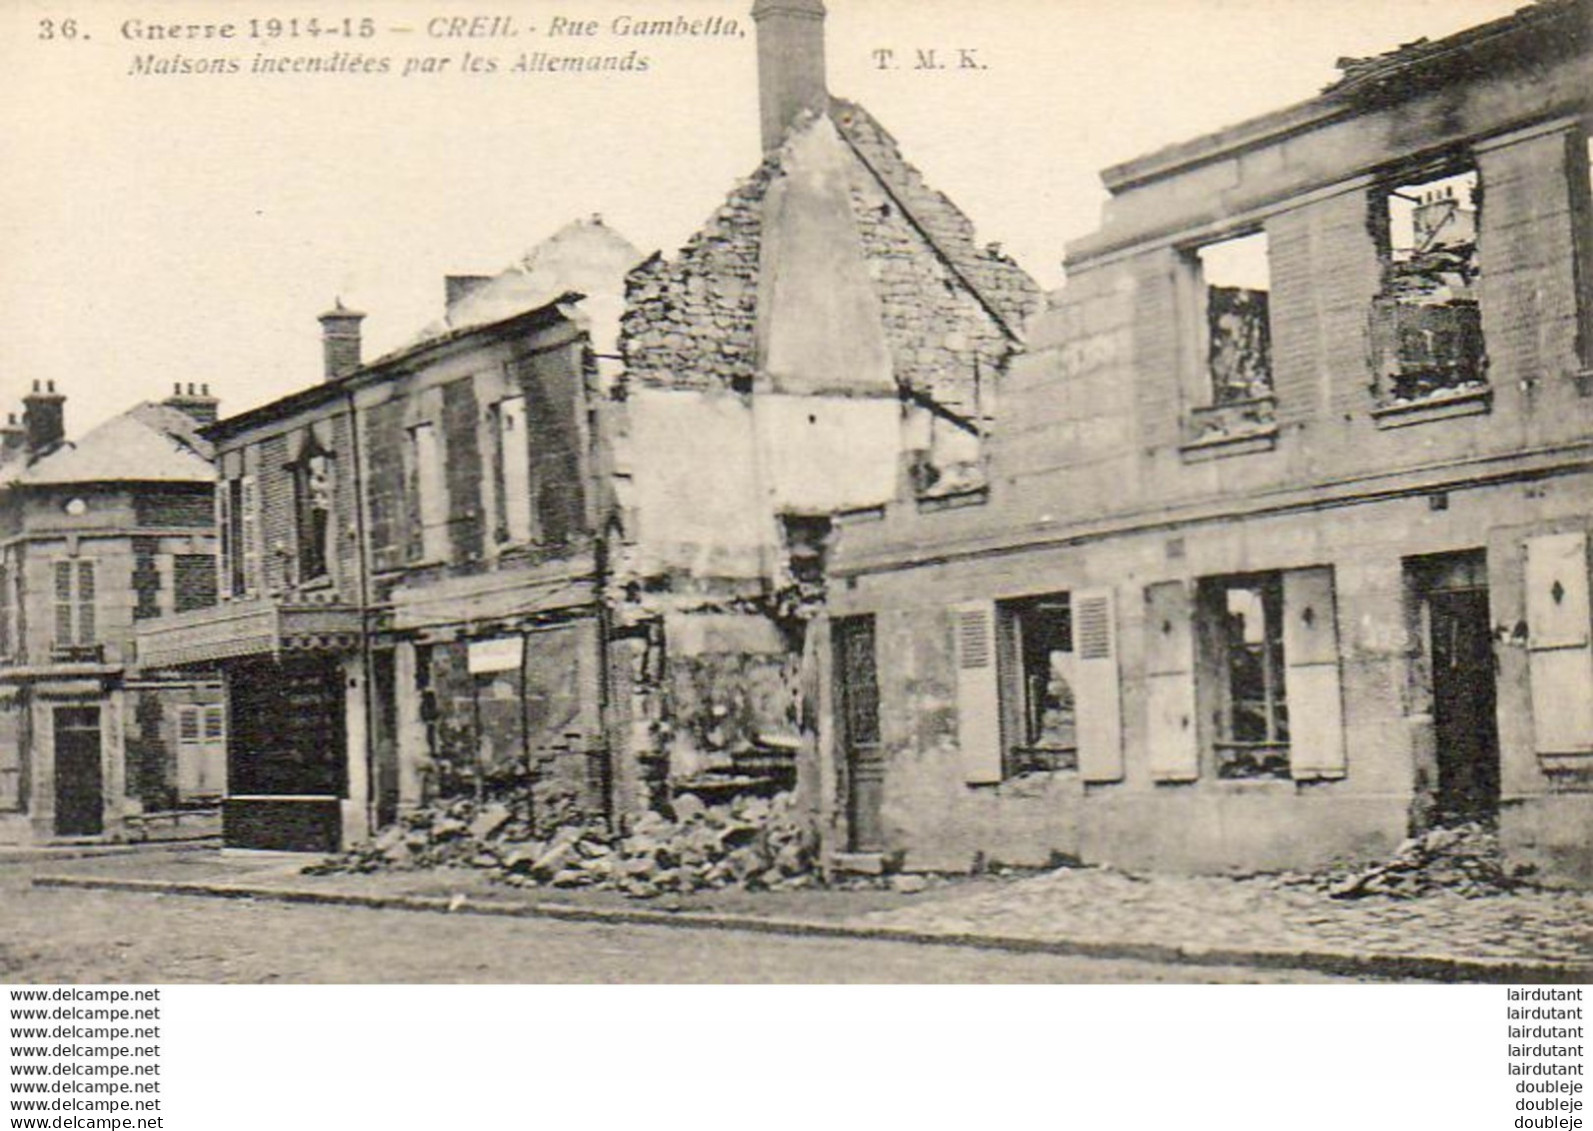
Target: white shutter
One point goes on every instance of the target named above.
(1172, 734)
(224, 547)
(1311, 674)
(1560, 662)
(1096, 694)
(213, 764)
(978, 698)
(250, 527)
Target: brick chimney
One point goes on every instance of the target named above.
(790, 64)
(13, 438)
(196, 401)
(43, 418)
(340, 340)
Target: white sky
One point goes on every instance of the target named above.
(160, 229)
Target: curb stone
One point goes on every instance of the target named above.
(40, 855)
(1434, 967)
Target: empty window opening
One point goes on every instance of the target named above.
(312, 502)
(1037, 685)
(1428, 325)
(1244, 623)
(1235, 286)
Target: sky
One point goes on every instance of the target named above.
(164, 228)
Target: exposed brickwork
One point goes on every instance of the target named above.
(461, 426)
(551, 384)
(193, 581)
(277, 527)
(146, 578)
(385, 484)
(689, 322)
(999, 281)
(175, 507)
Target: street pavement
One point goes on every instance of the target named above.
(52, 935)
(1098, 905)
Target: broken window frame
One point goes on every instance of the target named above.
(313, 524)
(1219, 410)
(516, 524)
(1403, 310)
(1261, 753)
(1024, 626)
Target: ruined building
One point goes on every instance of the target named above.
(96, 538)
(832, 339)
(576, 530)
(410, 567)
(1284, 550)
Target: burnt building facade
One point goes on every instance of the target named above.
(832, 338)
(97, 537)
(408, 602)
(1284, 552)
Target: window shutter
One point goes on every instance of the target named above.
(87, 628)
(63, 604)
(1172, 732)
(1311, 674)
(213, 766)
(250, 527)
(225, 548)
(1096, 692)
(1560, 662)
(189, 751)
(978, 706)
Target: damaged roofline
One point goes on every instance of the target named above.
(1348, 96)
(390, 365)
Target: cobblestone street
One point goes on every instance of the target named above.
(1099, 905)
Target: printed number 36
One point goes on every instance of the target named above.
(50, 29)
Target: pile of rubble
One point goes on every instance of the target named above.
(750, 842)
(1465, 860)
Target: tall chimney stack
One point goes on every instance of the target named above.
(790, 64)
(195, 400)
(340, 340)
(43, 419)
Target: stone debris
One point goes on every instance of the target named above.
(753, 843)
(1464, 860)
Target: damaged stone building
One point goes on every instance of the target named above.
(1284, 549)
(408, 602)
(576, 531)
(830, 340)
(98, 536)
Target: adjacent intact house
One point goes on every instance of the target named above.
(409, 563)
(1284, 552)
(831, 340)
(96, 537)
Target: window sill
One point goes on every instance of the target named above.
(952, 500)
(1261, 439)
(1440, 406)
(1584, 382)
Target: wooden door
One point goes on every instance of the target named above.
(857, 696)
(1463, 703)
(79, 786)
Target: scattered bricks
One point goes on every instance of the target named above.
(908, 884)
(490, 821)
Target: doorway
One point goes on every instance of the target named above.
(79, 785)
(1452, 603)
(857, 700)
